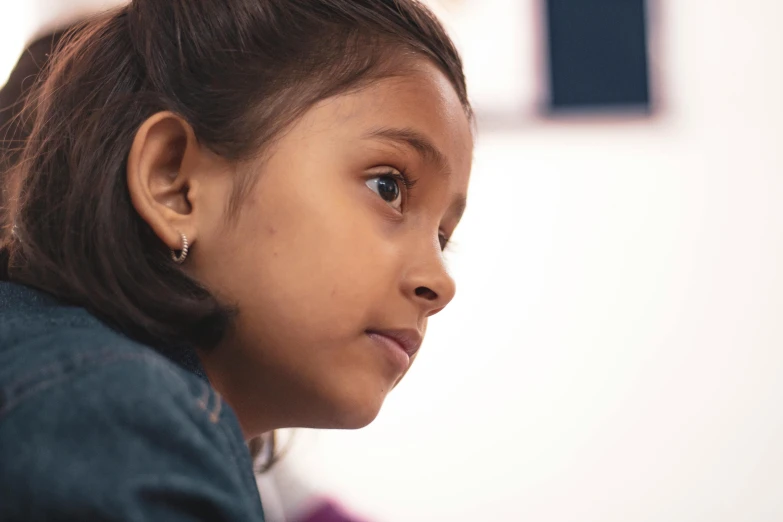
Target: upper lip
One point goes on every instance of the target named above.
(408, 339)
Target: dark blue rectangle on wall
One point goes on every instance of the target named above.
(598, 55)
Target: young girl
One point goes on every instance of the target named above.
(228, 218)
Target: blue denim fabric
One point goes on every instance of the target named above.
(94, 426)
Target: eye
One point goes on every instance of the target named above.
(444, 241)
(388, 188)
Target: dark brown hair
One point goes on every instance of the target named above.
(239, 72)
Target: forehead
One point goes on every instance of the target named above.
(420, 99)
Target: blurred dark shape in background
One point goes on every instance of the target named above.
(598, 55)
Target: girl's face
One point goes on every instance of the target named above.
(335, 260)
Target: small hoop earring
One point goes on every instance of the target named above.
(183, 253)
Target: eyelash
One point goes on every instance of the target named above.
(404, 178)
(445, 243)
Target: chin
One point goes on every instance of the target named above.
(351, 411)
(359, 419)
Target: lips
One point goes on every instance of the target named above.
(408, 340)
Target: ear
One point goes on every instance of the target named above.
(161, 177)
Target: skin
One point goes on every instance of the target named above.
(317, 255)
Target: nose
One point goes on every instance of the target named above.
(428, 283)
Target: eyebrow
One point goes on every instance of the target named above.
(413, 139)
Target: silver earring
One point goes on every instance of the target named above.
(183, 253)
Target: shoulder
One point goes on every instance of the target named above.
(45, 344)
(127, 436)
(87, 386)
(91, 422)
(47, 348)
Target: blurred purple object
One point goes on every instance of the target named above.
(330, 512)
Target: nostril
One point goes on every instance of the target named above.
(426, 293)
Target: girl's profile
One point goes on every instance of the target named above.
(228, 218)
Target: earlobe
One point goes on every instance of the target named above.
(160, 177)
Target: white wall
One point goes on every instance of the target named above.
(614, 351)
(15, 21)
(23, 21)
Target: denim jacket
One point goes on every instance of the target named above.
(94, 426)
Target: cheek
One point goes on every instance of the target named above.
(307, 262)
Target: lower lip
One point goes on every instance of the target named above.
(393, 351)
